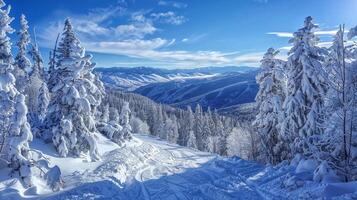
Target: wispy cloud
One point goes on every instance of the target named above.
(137, 38)
(132, 39)
(169, 18)
(290, 35)
(261, 1)
(194, 38)
(281, 34)
(175, 4)
(249, 59)
(139, 27)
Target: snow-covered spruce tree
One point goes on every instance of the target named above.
(15, 130)
(335, 146)
(186, 128)
(303, 106)
(269, 99)
(35, 87)
(171, 128)
(201, 129)
(222, 134)
(191, 140)
(206, 134)
(157, 120)
(109, 126)
(125, 116)
(42, 102)
(75, 97)
(162, 128)
(352, 144)
(105, 113)
(22, 62)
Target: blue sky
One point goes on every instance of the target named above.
(182, 34)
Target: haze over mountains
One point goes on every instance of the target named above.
(215, 87)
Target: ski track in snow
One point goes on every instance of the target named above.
(147, 168)
(158, 170)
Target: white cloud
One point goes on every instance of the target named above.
(290, 35)
(98, 33)
(172, 4)
(249, 59)
(137, 30)
(149, 49)
(168, 18)
(327, 33)
(281, 34)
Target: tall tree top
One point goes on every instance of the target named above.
(268, 57)
(5, 44)
(24, 34)
(69, 46)
(305, 37)
(21, 60)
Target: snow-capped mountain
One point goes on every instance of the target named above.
(132, 78)
(215, 87)
(217, 92)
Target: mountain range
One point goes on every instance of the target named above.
(215, 87)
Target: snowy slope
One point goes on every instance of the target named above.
(148, 168)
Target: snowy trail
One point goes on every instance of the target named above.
(148, 169)
(154, 169)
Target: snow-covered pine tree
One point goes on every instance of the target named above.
(352, 146)
(335, 146)
(109, 124)
(42, 102)
(105, 114)
(303, 106)
(187, 128)
(158, 121)
(22, 62)
(269, 100)
(206, 134)
(171, 129)
(201, 129)
(33, 90)
(163, 125)
(75, 97)
(125, 116)
(191, 140)
(20, 135)
(222, 135)
(15, 131)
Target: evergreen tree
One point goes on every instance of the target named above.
(35, 87)
(22, 62)
(303, 106)
(191, 141)
(269, 100)
(75, 97)
(188, 123)
(42, 102)
(125, 121)
(336, 145)
(201, 129)
(171, 129)
(15, 133)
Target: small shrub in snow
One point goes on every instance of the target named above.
(54, 179)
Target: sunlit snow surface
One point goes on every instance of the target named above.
(148, 168)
